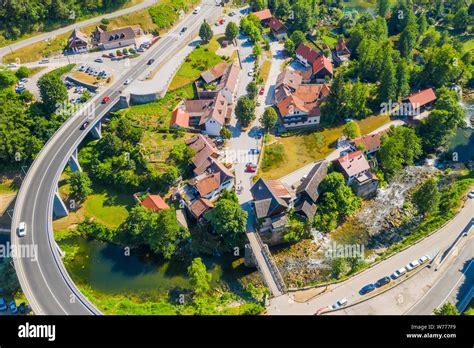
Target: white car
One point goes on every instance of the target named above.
(98, 60)
(12, 65)
(399, 272)
(196, 10)
(127, 82)
(24, 80)
(250, 73)
(22, 229)
(471, 194)
(341, 303)
(412, 265)
(424, 259)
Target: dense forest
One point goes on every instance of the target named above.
(19, 17)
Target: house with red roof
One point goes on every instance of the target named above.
(322, 69)
(317, 66)
(264, 15)
(179, 118)
(368, 144)
(306, 55)
(418, 102)
(341, 52)
(356, 170)
(278, 29)
(78, 42)
(155, 203)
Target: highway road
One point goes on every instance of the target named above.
(310, 301)
(23, 43)
(44, 279)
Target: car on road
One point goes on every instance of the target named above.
(183, 30)
(3, 304)
(250, 169)
(399, 272)
(196, 10)
(12, 65)
(251, 72)
(105, 99)
(471, 194)
(412, 265)
(261, 90)
(254, 151)
(382, 281)
(222, 21)
(251, 164)
(24, 80)
(424, 259)
(13, 307)
(127, 82)
(231, 14)
(21, 229)
(84, 125)
(150, 62)
(259, 135)
(340, 303)
(259, 103)
(44, 61)
(366, 289)
(141, 49)
(99, 60)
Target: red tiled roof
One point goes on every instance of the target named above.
(200, 206)
(341, 46)
(215, 72)
(263, 14)
(370, 142)
(179, 118)
(320, 63)
(353, 163)
(276, 24)
(230, 77)
(307, 53)
(154, 202)
(291, 103)
(421, 98)
(208, 184)
(218, 112)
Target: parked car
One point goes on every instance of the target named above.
(141, 50)
(366, 289)
(44, 61)
(99, 60)
(424, 259)
(340, 303)
(250, 73)
(12, 65)
(3, 304)
(127, 82)
(222, 21)
(105, 99)
(22, 308)
(254, 151)
(231, 14)
(399, 272)
(382, 281)
(84, 125)
(22, 229)
(183, 30)
(150, 62)
(471, 194)
(261, 91)
(13, 307)
(251, 164)
(24, 80)
(250, 169)
(196, 10)
(412, 265)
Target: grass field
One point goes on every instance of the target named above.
(198, 61)
(265, 70)
(158, 113)
(103, 205)
(302, 149)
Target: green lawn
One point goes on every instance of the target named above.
(6, 188)
(198, 61)
(158, 113)
(304, 148)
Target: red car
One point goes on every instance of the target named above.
(250, 169)
(262, 90)
(221, 21)
(105, 100)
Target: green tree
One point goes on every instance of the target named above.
(351, 130)
(461, 19)
(436, 130)
(269, 118)
(199, 277)
(8, 277)
(229, 220)
(245, 110)
(388, 84)
(225, 133)
(252, 90)
(427, 197)
(298, 37)
(257, 50)
(23, 72)
(408, 39)
(7, 78)
(333, 110)
(231, 31)
(382, 7)
(81, 185)
(53, 92)
(290, 47)
(403, 79)
(303, 15)
(257, 5)
(422, 24)
(446, 309)
(205, 32)
(294, 231)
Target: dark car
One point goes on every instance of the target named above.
(382, 281)
(366, 289)
(84, 125)
(22, 308)
(13, 307)
(150, 62)
(184, 30)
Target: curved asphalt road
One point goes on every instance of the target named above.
(44, 280)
